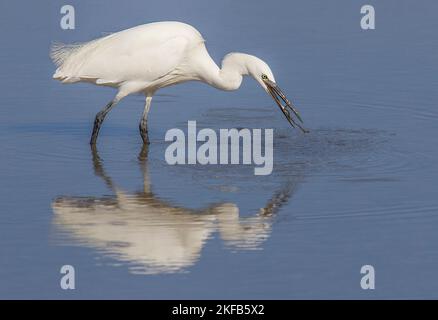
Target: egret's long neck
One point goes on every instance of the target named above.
(229, 76)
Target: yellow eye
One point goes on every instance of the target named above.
(264, 77)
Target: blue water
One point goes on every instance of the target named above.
(359, 189)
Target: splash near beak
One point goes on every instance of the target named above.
(278, 97)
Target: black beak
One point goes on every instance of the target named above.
(278, 97)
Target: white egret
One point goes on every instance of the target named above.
(148, 57)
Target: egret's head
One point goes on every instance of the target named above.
(261, 72)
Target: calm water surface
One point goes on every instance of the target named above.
(359, 189)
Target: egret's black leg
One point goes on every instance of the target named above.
(144, 131)
(100, 116)
(143, 122)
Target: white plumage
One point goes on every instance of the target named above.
(148, 57)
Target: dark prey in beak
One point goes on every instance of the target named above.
(277, 94)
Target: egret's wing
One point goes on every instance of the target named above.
(143, 62)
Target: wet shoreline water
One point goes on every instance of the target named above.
(359, 189)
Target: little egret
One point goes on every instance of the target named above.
(148, 57)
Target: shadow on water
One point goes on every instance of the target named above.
(151, 234)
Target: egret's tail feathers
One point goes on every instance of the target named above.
(70, 60)
(60, 52)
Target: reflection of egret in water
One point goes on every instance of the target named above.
(154, 235)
